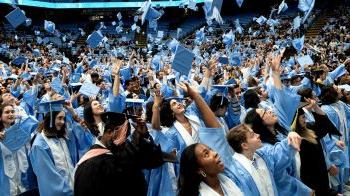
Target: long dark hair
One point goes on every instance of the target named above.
(89, 118)
(258, 126)
(189, 178)
(167, 117)
(51, 131)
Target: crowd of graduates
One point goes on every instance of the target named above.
(251, 110)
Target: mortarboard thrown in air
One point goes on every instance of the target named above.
(238, 26)
(228, 39)
(305, 60)
(16, 17)
(94, 39)
(192, 5)
(235, 59)
(172, 45)
(49, 26)
(239, 3)
(182, 62)
(261, 20)
(298, 44)
(18, 61)
(282, 7)
(296, 23)
(149, 13)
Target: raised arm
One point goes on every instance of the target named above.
(209, 117)
(158, 99)
(116, 68)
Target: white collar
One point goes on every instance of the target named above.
(242, 159)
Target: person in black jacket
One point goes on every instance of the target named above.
(313, 168)
(113, 166)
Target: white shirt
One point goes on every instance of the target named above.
(260, 173)
(228, 187)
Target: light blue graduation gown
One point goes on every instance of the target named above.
(116, 103)
(286, 104)
(50, 181)
(28, 178)
(334, 118)
(215, 139)
(333, 75)
(162, 180)
(285, 178)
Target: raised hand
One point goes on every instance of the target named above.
(294, 140)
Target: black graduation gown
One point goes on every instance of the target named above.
(313, 169)
(119, 173)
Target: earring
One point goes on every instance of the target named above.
(203, 174)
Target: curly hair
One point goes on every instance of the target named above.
(167, 117)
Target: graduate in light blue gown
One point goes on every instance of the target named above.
(16, 173)
(339, 114)
(161, 180)
(56, 149)
(274, 126)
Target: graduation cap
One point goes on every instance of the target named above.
(51, 106)
(261, 20)
(56, 86)
(89, 89)
(282, 7)
(305, 5)
(119, 16)
(49, 26)
(28, 22)
(16, 17)
(298, 44)
(221, 90)
(192, 5)
(183, 60)
(199, 36)
(150, 13)
(223, 60)
(296, 22)
(235, 59)
(18, 61)
(113, 119)
(239, 3)
(125, 73)
(238, 26)
(228, 39)
(19, 134)
(94, 39)
(305, 60)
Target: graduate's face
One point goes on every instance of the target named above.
(302, 121)
(221, 111)
(177, 107)
(7, 98)
(208, 160)
(59, 120)
(253, 141)
(268, 117)
(97, 108)
(8, 115)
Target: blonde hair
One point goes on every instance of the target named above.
(307, 134)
